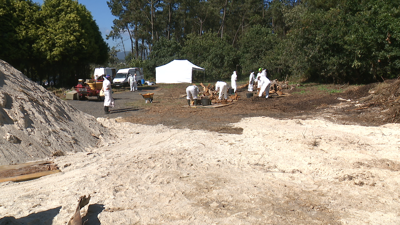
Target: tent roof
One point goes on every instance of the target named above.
(183, 62)
(176, 71)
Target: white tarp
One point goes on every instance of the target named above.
(177, 71)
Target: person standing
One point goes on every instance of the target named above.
(264, 73)
(257, 78)
(222, 88)
(233, 81)
(134, 82)
(131, 85)
(108, 100)
(252, 80)
(191, 94)
(265, 86)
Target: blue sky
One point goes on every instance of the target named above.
(104, 19)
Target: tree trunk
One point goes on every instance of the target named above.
(152, 17)
(223, 19)
(201, 27)
(143, 50)
(136, 41)
(169, 21)
(237, 31)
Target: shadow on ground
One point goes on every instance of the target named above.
(40, 218)
(91, 217)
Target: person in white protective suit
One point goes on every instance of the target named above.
(257, 78)
(264, 73)
(222, 88)
(233, 81)
(191, 94)
(132, 82)
(252, 80)
(108, 100)
(130, 79)
(265, 86)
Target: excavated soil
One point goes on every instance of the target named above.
(323, 154)
(367, 105)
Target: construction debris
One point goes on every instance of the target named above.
(384, 98)
(234, 97)
(210, 93)
(243, 86)
(27, 171)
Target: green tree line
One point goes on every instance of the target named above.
(337, 41)
(322, 40)
(57, 41)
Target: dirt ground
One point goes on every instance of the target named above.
(368, 105)
(299, 159)
(342, 104)
(332, 102)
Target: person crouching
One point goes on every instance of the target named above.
(265, 84)
(191, 94)
(222, 88)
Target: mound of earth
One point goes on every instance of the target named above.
(35, 124)
(383, 102)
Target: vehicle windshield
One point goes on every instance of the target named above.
(120, 75)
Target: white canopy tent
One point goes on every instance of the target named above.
(176, 71)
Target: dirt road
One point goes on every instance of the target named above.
(123, 103)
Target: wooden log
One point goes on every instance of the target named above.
(244, 86)
(234, 97)
(27, 171)
(204, 87)
(29, 176)
(76, 219)
(18, 166)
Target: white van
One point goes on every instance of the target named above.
(121, 79)
(99, 72)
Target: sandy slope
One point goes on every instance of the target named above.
(34, 123)
(276, 172)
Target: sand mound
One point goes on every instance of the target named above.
(35, 124)
(276, 172)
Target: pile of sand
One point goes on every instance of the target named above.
(276, 172)
(35, 124)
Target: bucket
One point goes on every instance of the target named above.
(205, 101)
(142, 80)
(230, 91)
(249, 94)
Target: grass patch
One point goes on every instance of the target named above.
(301, 92)
(171, 86)
(60, 92)
(328, 90)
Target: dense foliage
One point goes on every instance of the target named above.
(323, 40)
(339, 41)
(56, 41)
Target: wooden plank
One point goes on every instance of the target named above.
(22, 165)
(29, 176)
(209, 106)
(217, 105)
